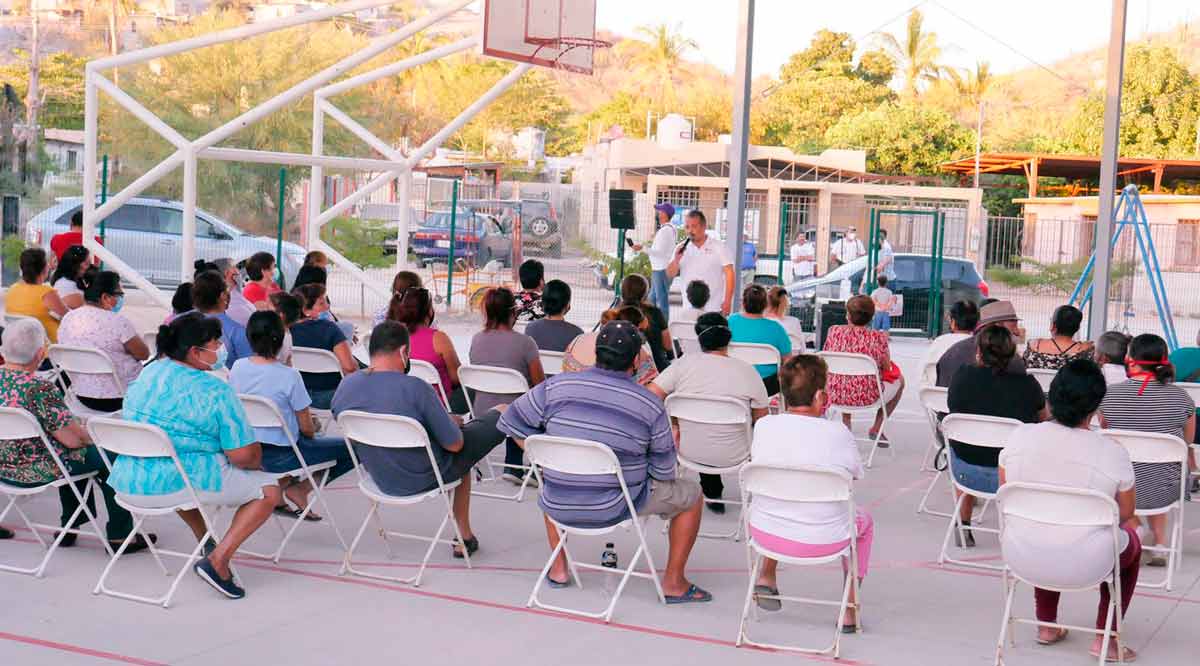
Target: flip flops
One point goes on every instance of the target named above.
(557, 585)
(1058, 638)
(761, 592)
(693, 595)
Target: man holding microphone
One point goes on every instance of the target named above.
(660, 252)
(704, 259)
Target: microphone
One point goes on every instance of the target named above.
(686, 240)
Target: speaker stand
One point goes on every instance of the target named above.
(620, 262)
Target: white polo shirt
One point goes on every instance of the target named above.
(706, 263)
(662, 250)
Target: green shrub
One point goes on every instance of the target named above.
(359, 241)
(1043, 278)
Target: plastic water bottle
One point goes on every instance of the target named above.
(608, 560)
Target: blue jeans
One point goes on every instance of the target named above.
(882, 321)
(660, 286)
(281, 459)
(975, 477)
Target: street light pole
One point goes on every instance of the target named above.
(739, 147)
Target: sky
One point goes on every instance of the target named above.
(1009, 35)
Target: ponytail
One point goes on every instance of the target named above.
(184, 332)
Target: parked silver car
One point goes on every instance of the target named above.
(147, 234)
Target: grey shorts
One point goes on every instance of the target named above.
(670, 498)
(238, 486)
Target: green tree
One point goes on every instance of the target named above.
(657, 61)
(818, 86)
(60, 82)
(902, 139)
(1160, 109)
(916, 57)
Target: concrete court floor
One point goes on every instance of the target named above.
(302, 612)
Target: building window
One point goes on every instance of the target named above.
(1187, 244)
(72, 158)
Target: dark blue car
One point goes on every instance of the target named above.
(479, 238)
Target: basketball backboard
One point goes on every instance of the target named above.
(550, 33)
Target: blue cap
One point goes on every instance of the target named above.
(666, 208)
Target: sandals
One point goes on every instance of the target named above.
(1058, 638)
(557, 585)
(290, 511)
(1111, 657)
(761, 594)
(693, 595)
(472, 545)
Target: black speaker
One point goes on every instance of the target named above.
(620, 209)
(11, 215)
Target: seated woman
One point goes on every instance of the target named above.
(68, 278)
(803, 436)
(779, 304)
(207, 425)
(314, 271)
(581, 353)
(32, 297)
(314, 332)
(634, 290)
(713, 372)
(553, 332)
(989, 389)
(1054, 352)
(403, 280)
(1149, 401)
(857, 337)
(750, 325)
(99, 325)
(290, 311)
(1066, 452)
(413, 307)
(263, 375)
(500, 346)
(260, 268)
(26, 462)
(181, 301)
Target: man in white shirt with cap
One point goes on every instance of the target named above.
(660, 252)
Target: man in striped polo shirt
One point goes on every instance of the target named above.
(603, 404)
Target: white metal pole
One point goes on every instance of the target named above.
(297, 159)
(359, 131)
(241, 32)
(404, 223)
(135, 188)
(316, 187)
(395, 68)
(739, 147)
(188, 254)
(91, 122)
(140, 112)
(1098, 311)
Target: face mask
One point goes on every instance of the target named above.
(119, 304)
(222, 356)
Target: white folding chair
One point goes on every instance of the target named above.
(142, 440)
(933, 399)
(499, 381)
(388, 431)
(684, 332)
(569, 456)
(263, 413)
(552, 362)
(984, 431)
(1055, 508)
(710, 410)
(19, 424)
(1043, 377)
(151, 340)
(424, 370)
(1193, 390)
(82, 361)
(801, 485)
(1160, 448)
(316, 361)
(860, 365)
(10, 319)
(799, 343)
(362, 351)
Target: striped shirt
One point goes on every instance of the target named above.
(1163, 408)
(606, 407)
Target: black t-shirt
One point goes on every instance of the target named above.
(654, 334)
(976, 390)
(318, 334)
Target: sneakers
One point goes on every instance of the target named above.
(516, 476)
(226, 586)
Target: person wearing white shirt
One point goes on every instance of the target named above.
(239, 308)
(1111, 350)
(803, 436)
(804, 258)
(964, 317)
(847, 248)
(1065, 452)
(705, 259)
(660, 253)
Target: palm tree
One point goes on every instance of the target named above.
(917, 57)
(658, 58)
(972, 86)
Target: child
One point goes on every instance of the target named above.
(885, 300)
(697, 294)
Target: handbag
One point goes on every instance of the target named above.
(891, 373)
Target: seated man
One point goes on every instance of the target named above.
(603, 404)
(1110, 356)
(554, 332)
(714, 373)
(26, 462)
(964, 317)
(964, 352)
(386, 388)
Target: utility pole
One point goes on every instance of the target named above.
(739, 147)
(114, 36)
(33, 97)
(1111, 150)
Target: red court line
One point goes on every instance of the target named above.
(934, 566)
(77, 649)
(652, 631)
